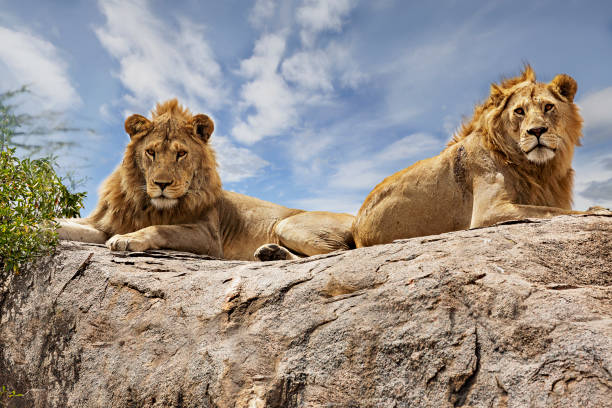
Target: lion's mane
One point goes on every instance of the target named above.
(557, 173)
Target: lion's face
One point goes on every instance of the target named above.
(538, 115)
(168, 165)
(534, 115)
(172, 155)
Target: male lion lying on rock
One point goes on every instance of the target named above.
(511, 161)
(167, 194)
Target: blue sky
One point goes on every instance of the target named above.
(314, 101)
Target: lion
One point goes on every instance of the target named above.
(512, 160)
(167, 194)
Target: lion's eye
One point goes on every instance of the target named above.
(519, 111)
(151, 152)
(180, 154)
(548, 107)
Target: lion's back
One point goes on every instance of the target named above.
(418, 200)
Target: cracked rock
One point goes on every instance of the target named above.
(515, 315)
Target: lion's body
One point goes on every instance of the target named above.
(167, 194)
(495, 169)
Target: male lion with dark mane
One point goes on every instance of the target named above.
(512, 160)
(167, 194)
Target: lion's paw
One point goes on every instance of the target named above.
(273, 252)
(127, 242)
(597, 210)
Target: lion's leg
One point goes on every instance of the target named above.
(79, 229)
(509, 212)
(196, 238)
(315, 232)
(491, 205)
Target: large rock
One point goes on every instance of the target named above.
(515, 315)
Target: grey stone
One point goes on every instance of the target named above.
(516, 315)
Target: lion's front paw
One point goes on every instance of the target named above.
(272, 252)
(597, 210)
(128, 242)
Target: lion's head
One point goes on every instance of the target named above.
(523, 118)
(172, 159)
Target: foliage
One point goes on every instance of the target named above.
(6, 395)
(32, 195)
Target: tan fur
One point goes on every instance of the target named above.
(492, 170)
(167, 194)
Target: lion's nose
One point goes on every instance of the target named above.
(162, 185)
(537, 132)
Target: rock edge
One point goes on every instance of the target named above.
(508, 316)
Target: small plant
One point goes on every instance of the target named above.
(32, 195)
(6, 395)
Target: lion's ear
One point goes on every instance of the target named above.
(565, 86)
(136, 124)
(203, 127)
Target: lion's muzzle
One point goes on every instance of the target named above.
(164, 193)
(162, 184)
(537, 131)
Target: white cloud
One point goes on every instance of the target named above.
(358, 175)
(309, 157)
(280, 88)
(596, 189)
(408, 147)
(593, 174)
(262, 11)
(593, 169)
(316, 70)
(599, 191)
(26, 59)
(347, 182)
(105, 112)
(371, 169)
(308, 144)
(236, 163)
(158, 62)
(345, 66)
(267, 93)
(339, 203)
(267, 55)
(596, 110)
(309, 70)
(316, 16)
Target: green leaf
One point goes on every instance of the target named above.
(35, 199)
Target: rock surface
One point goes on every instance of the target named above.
(516, 315)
